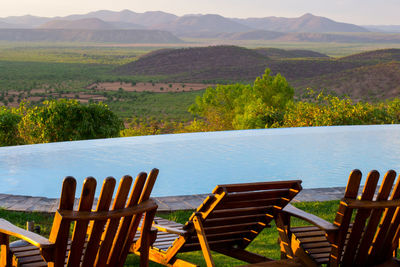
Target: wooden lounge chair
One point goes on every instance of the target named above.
(99, 238)
(365, 232)
(226, 222)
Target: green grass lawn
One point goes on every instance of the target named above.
(265, 244)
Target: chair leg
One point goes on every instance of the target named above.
(282, 223)
(146, 237)
(5, 250)
(203, 240)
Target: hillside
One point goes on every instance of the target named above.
(305, 23)
(101, 36)
(276, 53)
(375, 82)
(214, 63)
(375, 56)
(361, 76)
(85, 24)
(201, 25)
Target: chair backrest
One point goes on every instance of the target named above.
(101, 237)
(368, 225)
(236, 213)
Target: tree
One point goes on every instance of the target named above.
(67, 120)
(241, 106)
(9, 120)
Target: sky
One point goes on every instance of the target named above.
(361, 12)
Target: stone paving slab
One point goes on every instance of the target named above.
(165, 204)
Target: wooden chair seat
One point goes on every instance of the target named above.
(99, 238)
(226, 222)
(365, 232)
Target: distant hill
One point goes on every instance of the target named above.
(85, 24)
(276, 53)
(72, 35)
(202, 24)
(5, 25)
(375, 56)
(370, 82)
(26, 22)
(305, 23)
(383, 28)
(216, 63)
(146, 19)
(362, 76)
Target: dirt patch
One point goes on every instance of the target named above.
(149, 87)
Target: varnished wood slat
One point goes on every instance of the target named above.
(239, 212)
(126, 221)
(237, 220)
(103, 204)
(371, 229)
(60, 230)
(226, 235)
(265, 202)
(381, 238)
(343, 217)
(254, 226)
(257, 186)
(112, 224)
(216, 243)
(360, 219)
(148, 187)
(80, 229)
(249, 196)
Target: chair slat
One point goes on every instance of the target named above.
(360, 219)
(238, 212)
(380, 237)
(373, 223)
(229, 188)
(126, 221)
(343, 217)
(80, 229)
(112, 224)
(60, 230)
(392, 236)
(249, 203)
(103, 204)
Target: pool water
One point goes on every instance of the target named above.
(194, 163)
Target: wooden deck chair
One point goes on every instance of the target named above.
(99, 238)
(226, 222)
(365, 231)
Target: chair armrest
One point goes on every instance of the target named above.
(37, 240)
(315, 220)
(171, 230)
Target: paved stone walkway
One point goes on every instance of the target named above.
(173, 203)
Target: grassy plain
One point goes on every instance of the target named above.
(39, 71)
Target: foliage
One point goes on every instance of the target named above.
(326, 110)
(66, 120)
(9, 120)
(56, 120)
(243, 106)
(219, 105)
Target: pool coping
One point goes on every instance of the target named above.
(165, 204)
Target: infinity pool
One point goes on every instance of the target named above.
(194, 163)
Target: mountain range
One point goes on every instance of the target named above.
(182, 25)
(308, 27)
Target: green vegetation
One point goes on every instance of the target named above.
(265, 244)
(270, 103)
(54, 121)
